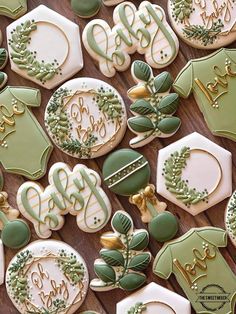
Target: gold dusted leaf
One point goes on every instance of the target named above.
(110, 241)
(139, 92)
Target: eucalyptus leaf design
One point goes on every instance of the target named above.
(137, 309)
(172, 173)
(122, 267)
(153, 105)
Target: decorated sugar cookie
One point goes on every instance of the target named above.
(212, 80)
(41, 49)
(153, 299)
(3, 62)
(20, 131)
(194, 173)
(127, 172)
(144, 30)
(122, 258)
(153, 105)
(47, 277)
(13, 8)
(204, 24)
(112, 2)
(200, 269)
(86, 9)
(86, 118)
(2, 263)
(230, 218)
(76, 191)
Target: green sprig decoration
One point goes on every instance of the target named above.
(26, 59)
(182, 9)
(71, 267)
(153, 105)
(78, 148)
(109, 103)
(231, 215)
(137, 309)
(58, 306)
(172, 173)
(122, 258)
(18, 282)
(206, 35)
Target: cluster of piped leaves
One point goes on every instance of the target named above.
(205, 35)
(26, 59)
(17, 280)
(231, 215)
(137, 309)
(154, 105)
(182, 9)
(122, 259)
(70, 266)
(109, 103)
(81, 150)
(58, 306)
(172, 173)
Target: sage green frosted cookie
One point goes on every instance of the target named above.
(86, 9)
(13, 8)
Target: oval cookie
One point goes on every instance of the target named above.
(86, 118)
(204, 24)
(47, 277)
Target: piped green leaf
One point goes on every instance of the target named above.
(121, 223)
(142, 71)
(163, 82)
(112, 257)
(169, 104)
(139, 241)
(140, 262)
(169, 125)
(132, 281)
(142, 107)
(105, 272)
(141, 124)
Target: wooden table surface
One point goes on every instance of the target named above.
(88, 244)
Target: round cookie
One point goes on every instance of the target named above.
(47, 277)
(86, 118)
(230, 218)
(204, 24)
(86, 9)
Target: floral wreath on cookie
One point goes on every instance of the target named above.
(59, 125)
(142, 307)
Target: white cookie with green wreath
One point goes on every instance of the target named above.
(44, 47)
(47, 277)
(153, 105)
(86, 118)
(204, 24)
(194, 173)
(230, 218)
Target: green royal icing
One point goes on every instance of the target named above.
(212, 81)
(19, 131)
(172, 173)
(137, 309)
(230, 218)
(86, 8)
(26, 59)
(122, 268)
(13, 8)
(200, 269)
(182, 9)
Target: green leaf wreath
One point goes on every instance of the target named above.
(137, 309)
(172, 173)
(26, 59)
(153, 105)
(181, 9)
(122, 258)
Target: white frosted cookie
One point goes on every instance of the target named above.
(47, 277)
(86, 118)
(41, 49)
(144, 30)
(204, 24)
(110, 3)
(153, 299)
(230, 218)
(2, 263)
(76, 191)
(194, 173)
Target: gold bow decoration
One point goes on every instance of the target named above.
(9, 211)
(141, 200)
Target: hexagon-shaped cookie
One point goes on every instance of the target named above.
(44, 47)
(154, 299)
(194, 173)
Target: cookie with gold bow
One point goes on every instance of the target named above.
(127, 172)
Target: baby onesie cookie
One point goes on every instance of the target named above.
(13, 8)
(86, 118)
(127, 172)
(204, 24)
(153, 105)
(153, 299)
(76, 191)
(86, 9)
(47, 277)
(212, 80)
(194, 173)
(41, 49)
(144, 30)
(122, 258)
(230, 218)
(200, 269)
(19, 130)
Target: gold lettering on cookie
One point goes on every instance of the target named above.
(60, 289)
(38, 276)
(189, 271)
(7, 116)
